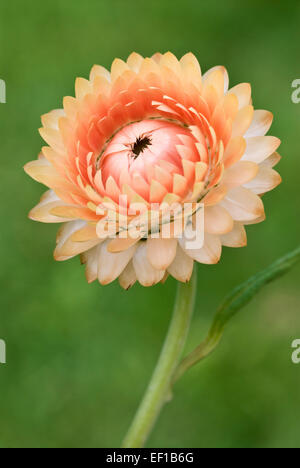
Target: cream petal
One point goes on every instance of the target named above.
(267, 179)
(236, 238)
(128, 277)
(146, 274)
(207, 77)
(161, 252)
(53, 138)
(260, 148)
(118, 68)
(243, 93)
(90, 259)
(242, 204)
(98, 70)
(240, 173)
(182, 266)
(66, 248)
(261, 123)
(217, 220)
(209, 254)
(42, 211)
(257, 220)
(111, 265)
(272, 160)
(242, 121)
(43, 172)
(191, 70)
(135, 61)
(82, 88)
(51, 119)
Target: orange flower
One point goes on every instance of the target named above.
(153, 133)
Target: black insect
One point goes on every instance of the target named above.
(140, 145)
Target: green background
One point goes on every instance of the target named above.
(79, 356)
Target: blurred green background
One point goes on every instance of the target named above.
(79, 356)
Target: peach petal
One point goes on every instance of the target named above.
(99, 71)
(182, 266)
(84, 234)
(260, 148)
(242, 204)
(53, 138)
(242, 121)
(267, 179)
(111, 265)
(209, 254)
(200, 171)
(161, 252)
(236, 238)
(135, 61)
(157, 192)
(146, 274)
(261, 123)
(65, 247)
(215, 195)
(51, 119)
(243, 93)
(179, 185)
(118, 68)
(90, 259)
(240, 173)
(128, 277)
(42, 211)
(120, 244)
(217, 220)
(272, 160)
(234, 151)
(82, 87)
(74, 212)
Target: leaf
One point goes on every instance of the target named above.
(234, 302)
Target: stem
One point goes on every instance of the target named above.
(159, 386)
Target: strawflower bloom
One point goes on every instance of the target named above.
(153, 133)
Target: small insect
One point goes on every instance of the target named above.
(141, 143)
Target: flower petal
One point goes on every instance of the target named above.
(262, 121)
(161, 252)
(209, 254)
(111, 265)
(267, 179)
(182, 266)
(128, 277)
(242, 204)
(42, 211)
(90, 259)
(259, 148)
(66, 248)
(217, 220)
(236, 238)
(146, 274)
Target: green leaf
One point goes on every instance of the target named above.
(234, 302)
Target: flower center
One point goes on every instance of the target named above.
(141, 143)
(146, 149)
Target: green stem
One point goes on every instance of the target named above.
(158, 390)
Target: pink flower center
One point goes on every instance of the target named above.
(143, 145)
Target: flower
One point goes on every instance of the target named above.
(153, 131)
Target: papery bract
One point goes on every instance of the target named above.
(153, 131)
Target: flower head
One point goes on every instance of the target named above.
(153, 134)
